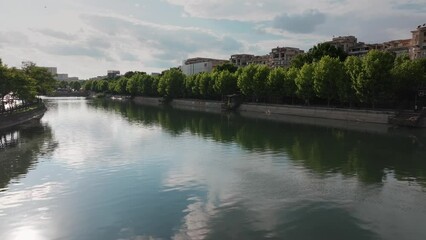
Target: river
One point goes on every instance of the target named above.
(94, 169)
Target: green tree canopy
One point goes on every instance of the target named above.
(290, 87)
(328, 77)
(171, 83)
(45, 81)
(121, 85)
(326, 49)
(276, 82)
(246, 79)
(304, 82)
(375, 82)
(226, 83)
(226, 67)
(407, 76)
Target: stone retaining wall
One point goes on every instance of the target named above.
(278, 112)
(7, 121)
(199, 105)
(368, 116)
(148, 101)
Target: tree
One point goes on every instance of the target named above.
(121, 85)
(15, 82)
(6, 86)
(226, 83)
(353, 69)
(226, 67)
(134, 85)
(23, 86)
(375, 82)
(147, 82)
(326, 49)
(190, 85)
(252, 80)
(76, 85)
(63, 84)
(304, 82)
(276, 82)
(290, 87)
(171, 83)
(45, 82)
(88, 85)
(205, 84)
(246, 79)
(299, 60)
(328, 76)
(102, 86)
(260, 78)
(408, 75)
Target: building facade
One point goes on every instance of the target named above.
(261, 60)
(52, 70)
(282, 56)
(418, 42)
(193, 66)
(414, 47)
(241, 60)
(113, 73)
(344, 42)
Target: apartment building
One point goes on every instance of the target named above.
(418, 42)
(282, 56)
(113, 73)
(344, 42)
(241, 60)
(261, 60)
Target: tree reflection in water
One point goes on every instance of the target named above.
(324, 150)
(20, 148)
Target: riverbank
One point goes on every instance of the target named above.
(280, 112)
(16, 118)
(69, 94)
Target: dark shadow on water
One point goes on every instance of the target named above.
(20, 148)
(324, 150)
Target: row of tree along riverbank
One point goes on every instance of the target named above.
(379, 79)
(18, 91)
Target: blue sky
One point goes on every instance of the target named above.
(85, 38)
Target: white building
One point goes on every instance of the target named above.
(198, 65)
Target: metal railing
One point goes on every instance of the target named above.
(19, 107)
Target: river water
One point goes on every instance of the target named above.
(112, 170)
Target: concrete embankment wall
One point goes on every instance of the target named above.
(148, 101)
(278, 112)
(9, 120)
(198, 105)
(281, 111)
(187, 104)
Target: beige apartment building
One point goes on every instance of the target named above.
(415, 46)
(241, 60)
(344, 42)
(282, 56)
(418, 42)
(261, 60)
(278, 57)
